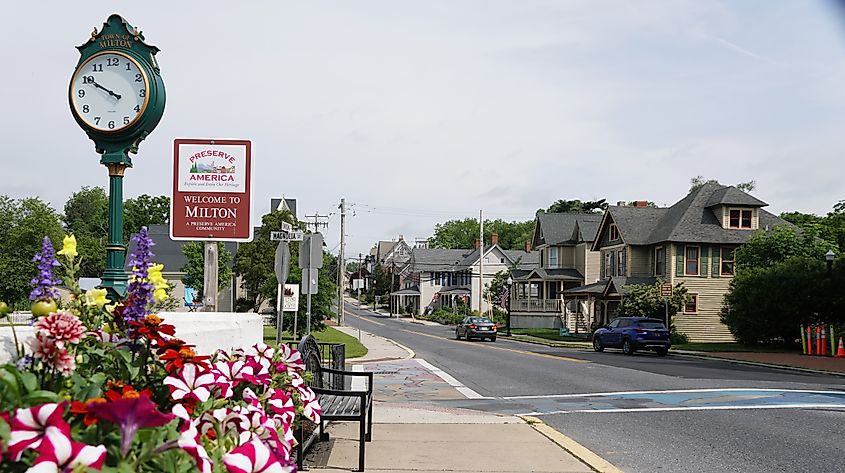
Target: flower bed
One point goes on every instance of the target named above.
(109, 386)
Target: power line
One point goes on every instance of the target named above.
(319, 221)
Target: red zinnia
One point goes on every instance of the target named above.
(175, 360)
(152, 328)
(82, 408)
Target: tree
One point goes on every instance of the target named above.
(781, 281)
(144, 211)
(699, 181)
(830, 228)
(194, 269)
(464, 233)
(644, 300)
(494, 290)
(23, 225)
(767, 248)
(576, 206)
(385, 281)
(86, 216)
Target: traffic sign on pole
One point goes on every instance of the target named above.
(311, 251)
(666, 290)
(282, 265)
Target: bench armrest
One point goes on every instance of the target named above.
(340, 392)
(368, 374)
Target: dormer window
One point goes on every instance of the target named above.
(614, 232)
(740, 218)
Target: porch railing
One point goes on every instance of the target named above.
(537, 305)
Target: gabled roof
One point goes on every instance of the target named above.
(523, 260)
(437, 259)
(559, 228)
(690, 220)
(558, 274)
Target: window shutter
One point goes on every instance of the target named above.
(705, 250)
(601, 265)
(651, 261)
(679, 270)
(717, 267)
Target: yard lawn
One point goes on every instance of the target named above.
(549, 334)
(354, 349)
(736, 347)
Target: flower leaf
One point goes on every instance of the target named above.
(40, 397)
(30, 381)
(10, 380)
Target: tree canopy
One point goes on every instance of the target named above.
(23, 225)
(464, 233)
(699, 181)
(143, 211)
(87, 217)
(576, 206)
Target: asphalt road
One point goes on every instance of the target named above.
(704, 423)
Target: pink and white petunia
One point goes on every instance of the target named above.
(311, 407)
(189, 441)
(281, 404)
(59, 453)
(290, 359)
(254, 457)
(190, 381)
(29, 426)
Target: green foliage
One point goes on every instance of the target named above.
(766, 248)
(699, 181)
(644, 300)
(23, 225)
(194, 269)
(463, 233)
(385, 281)
(830, 228)
(254, 261)
(576, 206)
(143, 211)
(87, 217)
(766, 304)
(494, 290)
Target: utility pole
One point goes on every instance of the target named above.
(480, 261)
(318, 221)
(341, 263)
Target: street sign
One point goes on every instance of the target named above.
(666, 290)
(309, 275)
(286, 236)
(286, 227)
(282, 264)
(311, 251)
(212, 190)
(291, 298)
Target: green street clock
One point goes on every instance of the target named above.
(116, 92)
(117, 96)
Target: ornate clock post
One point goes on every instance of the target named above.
(117, 96)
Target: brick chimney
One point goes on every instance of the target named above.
(477, 243)
(528, 247)
(494, 239)
(640, 204)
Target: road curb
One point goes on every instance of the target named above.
(553, 344)
(409, 353)
(587, 456)
(705, 356)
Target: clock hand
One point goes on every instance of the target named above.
(107, 90)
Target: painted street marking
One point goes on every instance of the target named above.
(684, 400)
(358, 382)
(690, 408)
(467, 392)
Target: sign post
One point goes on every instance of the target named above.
(310, 260)
(282, 269)
(666, 294)
(211, 199)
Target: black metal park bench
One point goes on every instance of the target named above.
(338, 401)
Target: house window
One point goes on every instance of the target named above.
(659, 261)
(740, 218)
(691, 266)
(691, 307)
(553, 257)
(621, 257)
(614, 232)
(608, 264)
(727, 261)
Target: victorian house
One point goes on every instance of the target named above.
(692, 242)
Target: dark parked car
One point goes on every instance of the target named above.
(476, 327)
(632, 334)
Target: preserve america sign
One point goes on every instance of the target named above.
(212, 191)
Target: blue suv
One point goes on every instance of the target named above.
(632, 334)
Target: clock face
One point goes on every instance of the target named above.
(109, 91)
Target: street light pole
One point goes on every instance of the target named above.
(829, 257)
(508, 320)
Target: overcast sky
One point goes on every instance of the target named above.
(417, 112)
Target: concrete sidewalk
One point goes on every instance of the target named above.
(412, 433)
